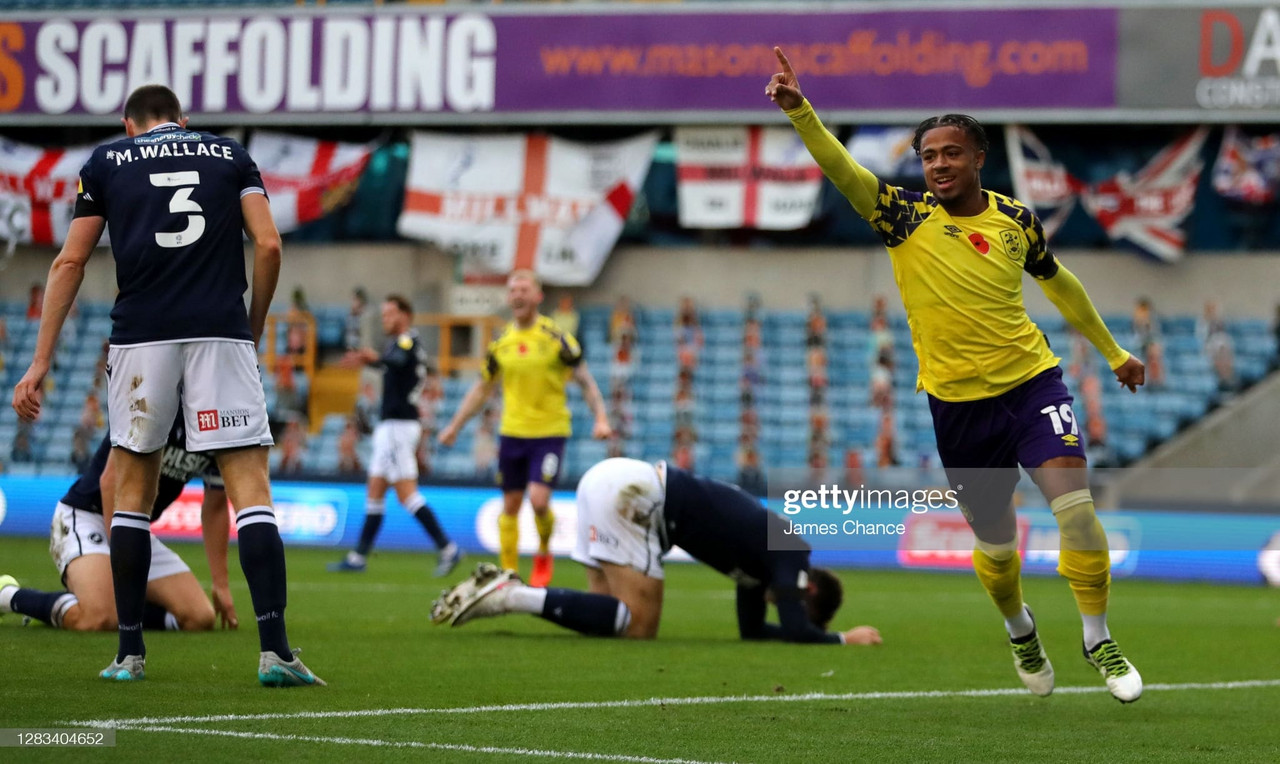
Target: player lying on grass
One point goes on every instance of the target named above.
(995, 388)
(630, 513)
(78, 544)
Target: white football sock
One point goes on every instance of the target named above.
(1020, 625)
(1095, 630)
(526, 599)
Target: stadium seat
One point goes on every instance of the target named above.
(21, 469)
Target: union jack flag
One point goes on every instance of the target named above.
(1247, 169)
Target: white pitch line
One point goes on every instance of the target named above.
(651, 702)
(536, 752)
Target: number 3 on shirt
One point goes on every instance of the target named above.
(1060, 414)
(185, 183)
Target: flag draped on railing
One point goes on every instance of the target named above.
(745, 177)
(502, 202)
(38, 189)
(307, 178)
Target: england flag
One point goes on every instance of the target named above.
(745, 177)
(38, 188)
(505, 202)
(307, 178)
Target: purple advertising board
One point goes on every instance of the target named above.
(420, 66)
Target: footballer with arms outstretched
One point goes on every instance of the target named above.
(533, 360)
(78, 545)
(995, 388)
(630, 513)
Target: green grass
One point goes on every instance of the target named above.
(369, 637)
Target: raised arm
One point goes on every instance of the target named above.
(856, 182)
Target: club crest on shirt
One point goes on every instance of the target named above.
(1012, 243)
(405, 341)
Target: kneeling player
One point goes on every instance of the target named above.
(630, 513)
(78, 544)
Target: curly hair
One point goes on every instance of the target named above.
(969, 125)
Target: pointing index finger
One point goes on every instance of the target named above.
(782, 59)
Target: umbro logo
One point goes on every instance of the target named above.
(953, 231)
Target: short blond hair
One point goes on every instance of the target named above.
(526, 274)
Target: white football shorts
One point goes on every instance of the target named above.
(76, 533)
(620, 516)
(215, 381)
(395, 450)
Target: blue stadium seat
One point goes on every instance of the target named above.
(1178, 325)
(1251, 368)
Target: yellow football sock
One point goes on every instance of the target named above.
(546, 523)
(1083, 558)
(999, 569)
(509, 541)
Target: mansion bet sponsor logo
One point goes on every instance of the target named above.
(214, 419)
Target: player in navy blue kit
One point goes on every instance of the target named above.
(396, 438)
(177, 202)
(78, 545)
(630, 513)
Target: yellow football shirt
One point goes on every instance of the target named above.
(534, 364)
(960, 277)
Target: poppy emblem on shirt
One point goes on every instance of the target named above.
(523, 349)
(979, 243)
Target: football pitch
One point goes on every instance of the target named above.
(941, 687)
